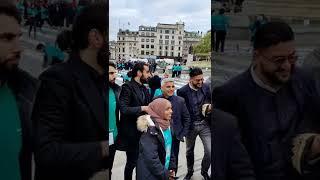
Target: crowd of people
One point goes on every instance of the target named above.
(55, 13)
(163, 121)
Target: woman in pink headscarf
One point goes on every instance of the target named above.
(156, 160)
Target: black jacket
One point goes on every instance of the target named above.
(230, 159)
(24, 88)
(268, 141)
(152, 153)
(185, 92)
(180, 116)
(70, 122)
(131, 100)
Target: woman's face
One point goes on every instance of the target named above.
(168, 113)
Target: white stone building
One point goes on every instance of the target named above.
(127, 44)
(162, 41)
(170, 40)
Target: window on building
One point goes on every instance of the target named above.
(119, 38)
(123, 38)
(166, 42)
(172, 31)
(166, 53)
(171, 53)
(147, 53)
(160, 47)
(152, 40)
(179, 32)
(160, 36)
(179, 42)
(166, 47)
(160, 53)
(160, 31)
(172, 37)
(122, 49)
(172, 48)
(166, 37)
(134, 44)
(142, 34)
(147, 40)
(142, 45)
(152, 52)
(166, 32)
(172, 42)
(178, 54)
(147, 46)
(152, 46)
(130, 44)
(142, 52)
(160, 41)
(152, 34)
(180, 37)
(119, 49)
(122, 43)
(179, 48)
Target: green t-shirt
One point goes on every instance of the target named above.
(10, 135)
(112, 114)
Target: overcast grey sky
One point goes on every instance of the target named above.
(194, 13)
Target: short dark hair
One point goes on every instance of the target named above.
(272, 33)
(112, 64)
(94, 16)
(195, 72)
(9, 9)
(138, 67)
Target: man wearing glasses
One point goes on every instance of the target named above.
(198, 100)
(268, 99)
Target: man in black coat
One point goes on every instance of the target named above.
(134, 98)
(70, 111)
(17, 90)
(198, 100)
(230, 159)
(180, 116)
(269, 100)
(114, 93)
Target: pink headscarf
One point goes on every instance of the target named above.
(157, 109)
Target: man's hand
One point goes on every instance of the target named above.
(145, 108)
(171, 175)
(104, 149)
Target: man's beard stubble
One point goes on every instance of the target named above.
(6, 72)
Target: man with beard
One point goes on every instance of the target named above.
(198, 100)
(114, 92)
(134, 100)
(17, 90)
(70, 111)
(269, 100)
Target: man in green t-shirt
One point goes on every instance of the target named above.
(114, 91)
(16, 95)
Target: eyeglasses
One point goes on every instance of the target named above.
(279, 60)
(198, 80)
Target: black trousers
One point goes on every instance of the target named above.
(220, 39)
(175, 148)
(112, 153)
(132, 158)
